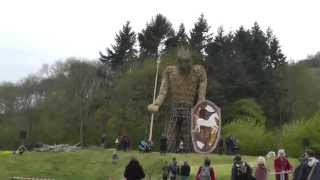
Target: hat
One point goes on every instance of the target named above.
(261, 160)
(281, 152)
(237, 158)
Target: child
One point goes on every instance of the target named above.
(261, 169)
(114, 157)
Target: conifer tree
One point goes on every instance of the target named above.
(157, 31)
(123, 50)
(200, 36)
(180, 39)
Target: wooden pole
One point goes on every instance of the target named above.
(154, 98)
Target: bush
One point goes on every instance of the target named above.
(9, 136)
(253, 138)
(294, 133)
(246, 110)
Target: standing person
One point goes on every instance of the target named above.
(114, 157)
(206, 172)
(240, 169)
(309, 168)
(174, 170)
(180, 149)
(314, 166)
(282, 166)
(124, 143)
(261, 169)
(163, 144)
(185, 171)
(220, 146)
(117, 143)
(165, 171)
(104, 140)
(134, 170)
(302, 170)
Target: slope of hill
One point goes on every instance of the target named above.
(95, 164)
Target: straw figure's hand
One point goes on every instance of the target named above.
(153, 108)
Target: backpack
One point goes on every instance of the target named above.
(241, 168)
(173, 170)
(205, 173)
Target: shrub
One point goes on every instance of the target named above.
(247, 110)
(253, 138)
(9, 138)
(294, 133)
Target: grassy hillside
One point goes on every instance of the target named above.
(95, 164)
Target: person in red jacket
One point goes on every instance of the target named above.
(206, 172)
(282, 166)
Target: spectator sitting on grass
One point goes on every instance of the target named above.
(21, 149)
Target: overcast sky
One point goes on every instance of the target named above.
(33, 33)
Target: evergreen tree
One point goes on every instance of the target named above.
(158, 30)
(200, 36)
(182, 35)
(123, 50)
(242, 42)
(179, 39)
(276, 58)
(275, 71)
(258, 54)
(226, 69)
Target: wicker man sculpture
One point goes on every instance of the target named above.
(185, 84)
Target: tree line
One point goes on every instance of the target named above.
(77, 100)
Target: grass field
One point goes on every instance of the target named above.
(95, 164)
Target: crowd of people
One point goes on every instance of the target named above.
(308, 169)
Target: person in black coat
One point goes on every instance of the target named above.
(134, 170)
(185, 171)
(163, 144)
(241, 170)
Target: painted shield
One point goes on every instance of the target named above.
(205, 126)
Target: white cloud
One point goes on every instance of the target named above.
(52, 30)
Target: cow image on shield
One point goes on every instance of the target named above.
(206, 123)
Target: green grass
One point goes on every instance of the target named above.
(95, 164)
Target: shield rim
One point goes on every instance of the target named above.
(219, 129)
